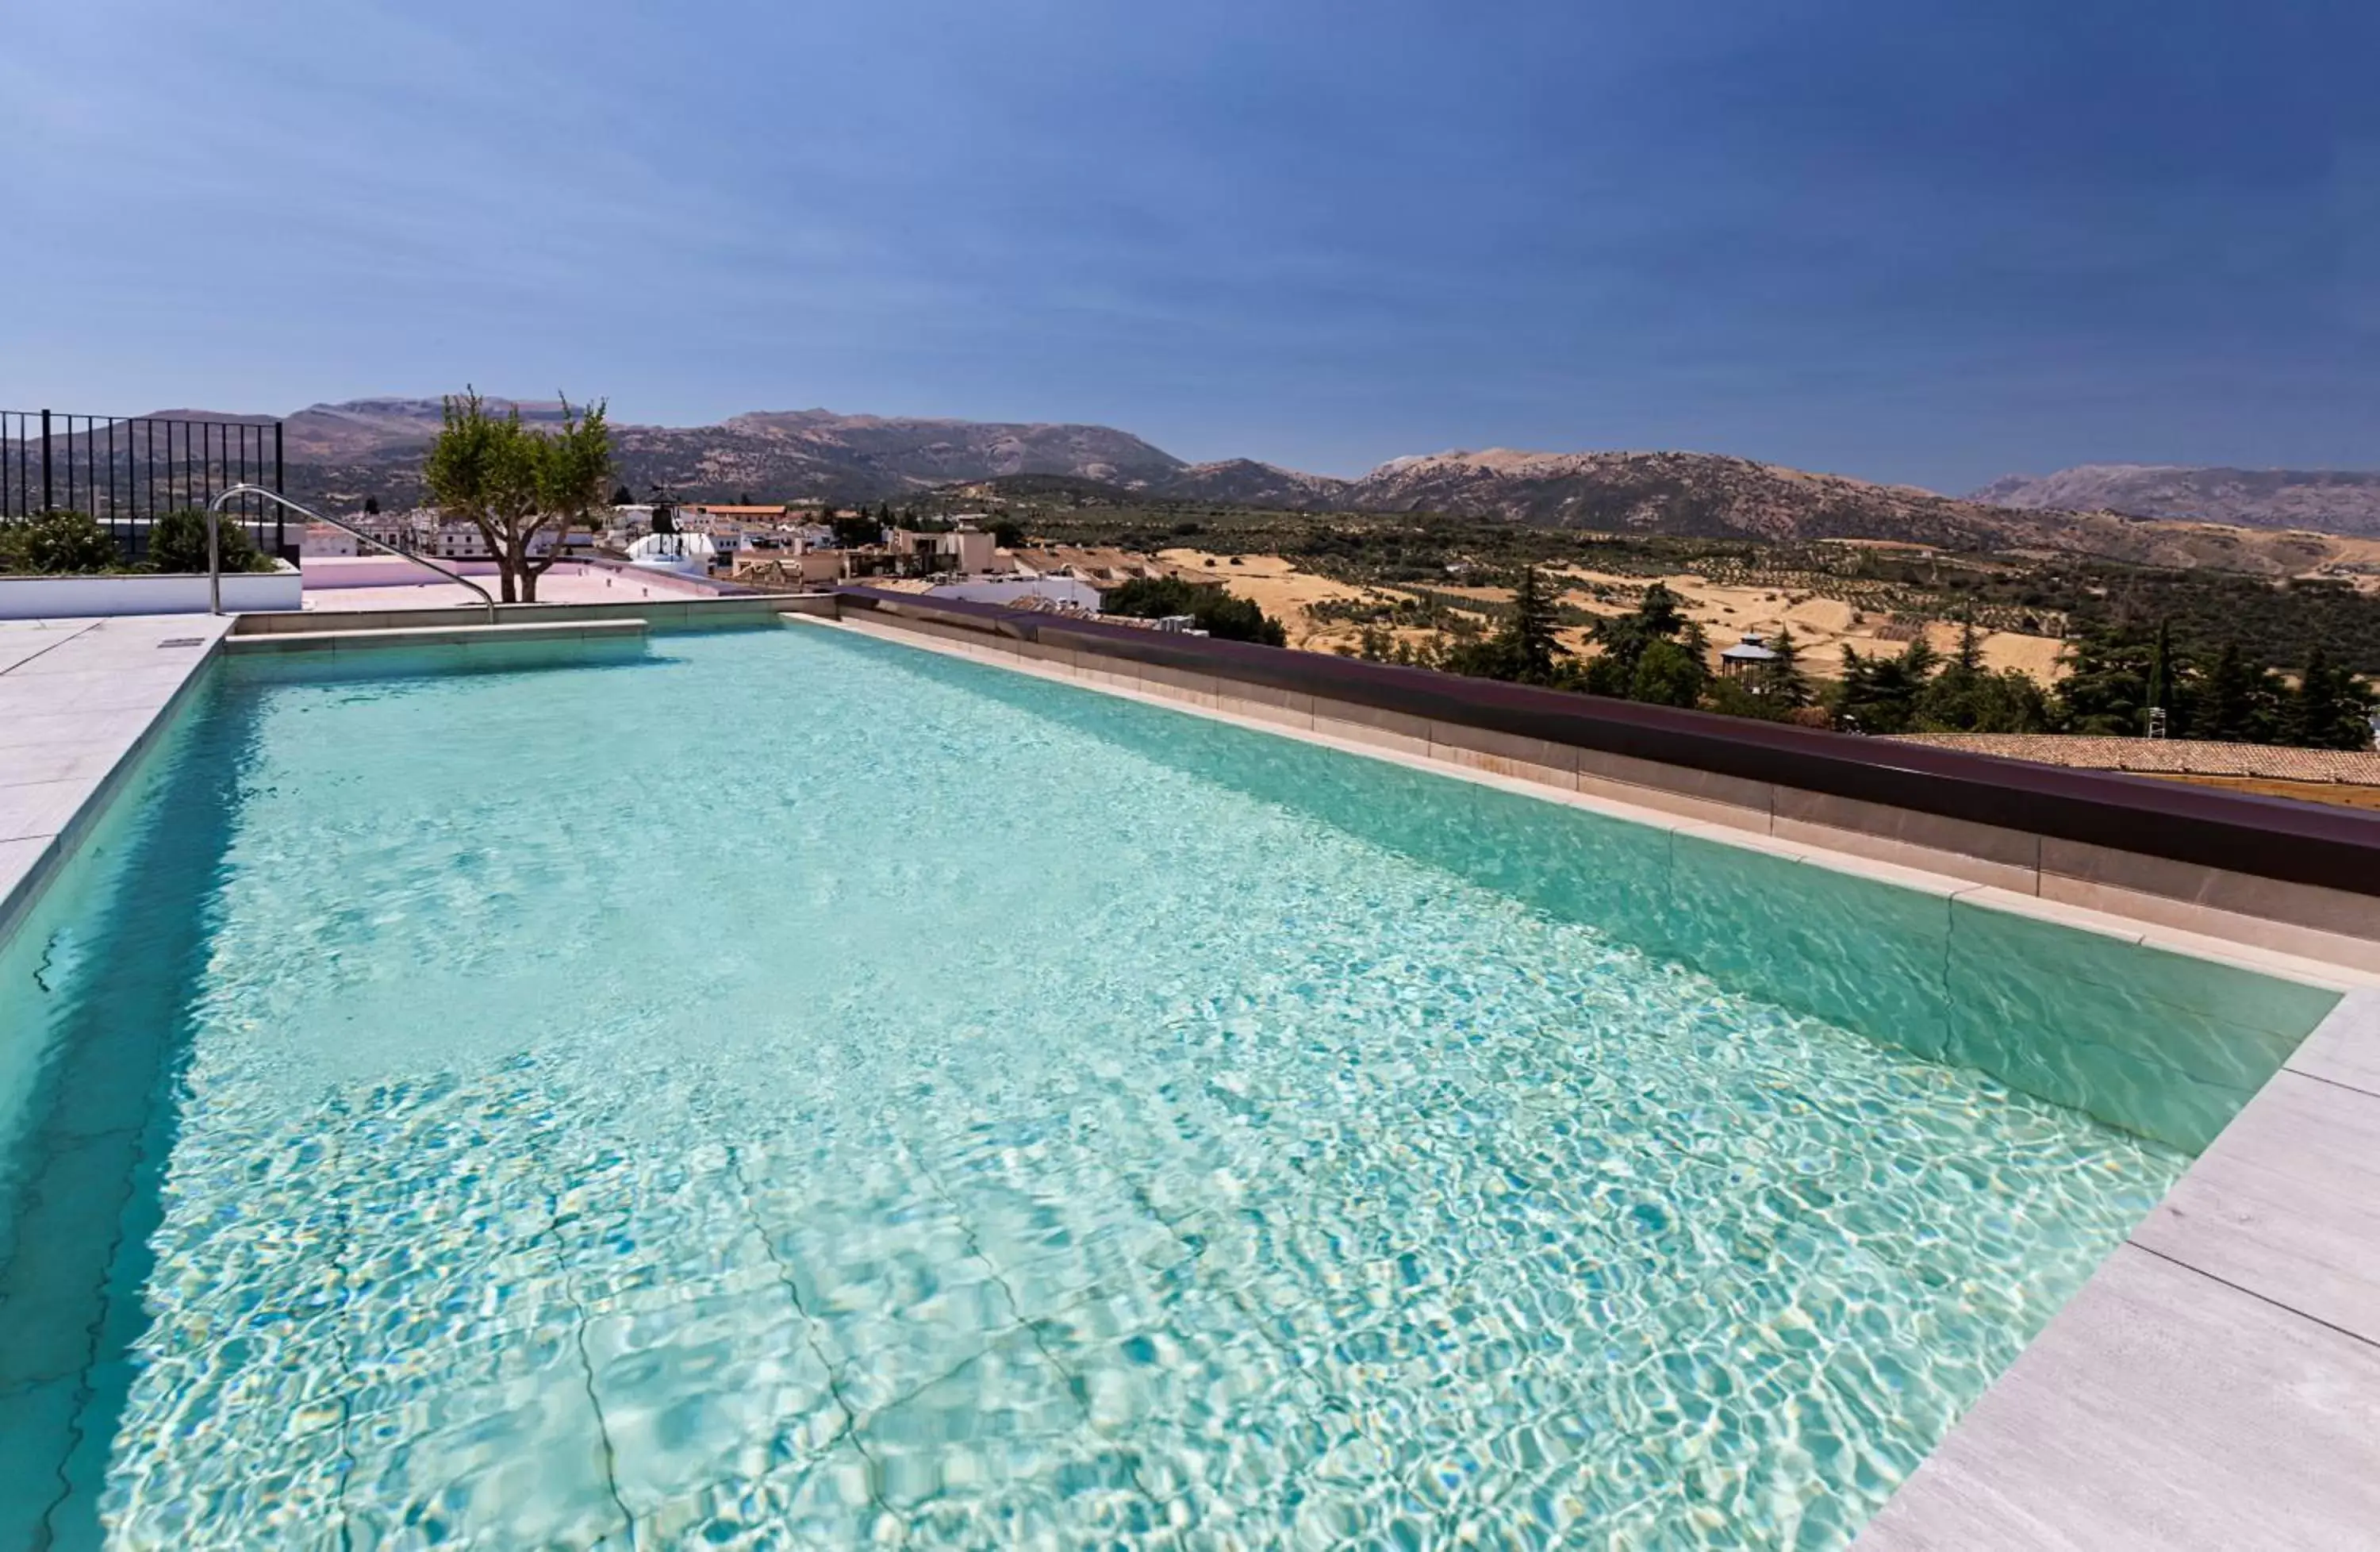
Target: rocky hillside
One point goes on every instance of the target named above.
(1697, 494)
(373, 447)
(342, 453)
(1245, 482)
(2328, 501)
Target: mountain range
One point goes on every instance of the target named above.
(2330, 501)
(342, 453)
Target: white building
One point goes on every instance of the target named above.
(326, 539)
(689, 554)
(970, 551)
(1071, 592)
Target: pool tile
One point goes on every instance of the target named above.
(1000, 1416)
(720, 1386)
(515, 1466)
(2029, 1043)
(2138, 971)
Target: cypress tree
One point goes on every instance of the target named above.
(1532, 642)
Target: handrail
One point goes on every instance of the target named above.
(215, 548)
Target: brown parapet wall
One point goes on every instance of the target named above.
(2097, 836)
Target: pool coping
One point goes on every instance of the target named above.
(436, 636)
(2247, 1301)
(77, 716)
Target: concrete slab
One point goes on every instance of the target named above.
(2163, 1408)
(133, 684)
(22, 641)
(2286, 1204)
(77, 729)
(2345, 1048)
(73, 717)
(29, 810)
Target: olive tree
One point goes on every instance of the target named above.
(517, 486)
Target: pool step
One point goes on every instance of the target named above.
(369, 639)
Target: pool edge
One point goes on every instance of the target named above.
(2091, 1403)
(118, 738)
(2216, 1382)
(1653, 808)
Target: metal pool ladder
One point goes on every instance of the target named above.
(214, 547)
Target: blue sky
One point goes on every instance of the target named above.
(1929, 243)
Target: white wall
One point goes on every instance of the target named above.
(67, 597)
(1057, 589)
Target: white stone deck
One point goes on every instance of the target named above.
(79, 701)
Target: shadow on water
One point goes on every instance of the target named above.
(112, 990)
(1576, 866)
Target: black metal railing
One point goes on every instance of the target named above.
(127, 471)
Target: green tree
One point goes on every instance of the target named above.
(1879, 694)
(1621, 641)
(2160, 688)
(2240, 702)
(1530, 644)
(481, 469)
(2330, 708)
(573, 465)
(1211, 608)
(1968, 657)
(2106, 686)
(1523, 650)
(517, 486)
(2009, 701)
(622, 496)
(1779, 682)
(1966, 696)
(1669, 674)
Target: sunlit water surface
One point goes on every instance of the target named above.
(803, 1091)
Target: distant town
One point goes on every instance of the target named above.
(976, 556)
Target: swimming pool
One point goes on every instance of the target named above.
(797, 1088)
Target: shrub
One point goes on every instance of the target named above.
(179, 543)
(1214, 610)
(59, 544)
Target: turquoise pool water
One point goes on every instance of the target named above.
(800, 1090)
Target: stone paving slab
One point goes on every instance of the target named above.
(79, 701)
(2286, 1204)
(23, 640)
(2161, 1409)
(2346, 1049)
